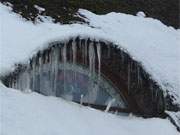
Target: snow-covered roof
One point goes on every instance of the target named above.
(147, 40)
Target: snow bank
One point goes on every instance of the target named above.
(147, 40)
(34, 114)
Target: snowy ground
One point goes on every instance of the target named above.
(34, 114)
(148, 41)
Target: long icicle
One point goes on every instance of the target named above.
(99, 65)
(40, 74)
(56, 60)
(129, 76)
(64, 63)
(74, 45)
(93, 95)
(85, 53)
(99, 59)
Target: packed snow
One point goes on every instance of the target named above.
(147, 40)
(34, 114)
(141, 14)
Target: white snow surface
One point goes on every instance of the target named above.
(175, 116)
(35, 114)
(141, 14)
(147, 40)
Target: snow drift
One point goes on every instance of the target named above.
(31, 113)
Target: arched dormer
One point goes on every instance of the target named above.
(93, 72)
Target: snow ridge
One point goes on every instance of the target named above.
(35, 114)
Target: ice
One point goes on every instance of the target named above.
(64, 56)
(99, 59)
(91, 58)
(56, 66)
(74, 51)
(129, 76)
(109, 104)
(86, 51)
(81, 101)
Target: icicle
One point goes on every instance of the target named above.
(17, 83)
(54, 58)
(81, 100)
(53, 64)
(99, 65)
(99, 59)
(40, 74)
(116, 112)
(51, 69)
(91, 58)
(93, 86)
(33, 73)
(85, 53)
(43, 67)
(13, 83)
(27, 78)
(109, 105)
(74, 51)
(56, 67)
(129, 76)
(64, 54)
(20, 82)
(46, 57)
(82, 49)
(130, 115)
(64, 63)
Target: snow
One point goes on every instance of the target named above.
(34, 114)
(147, 40)
(141, 14)
(40, 9)
(175, 116)
(46, 19)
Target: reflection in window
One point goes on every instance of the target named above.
(76, 84)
